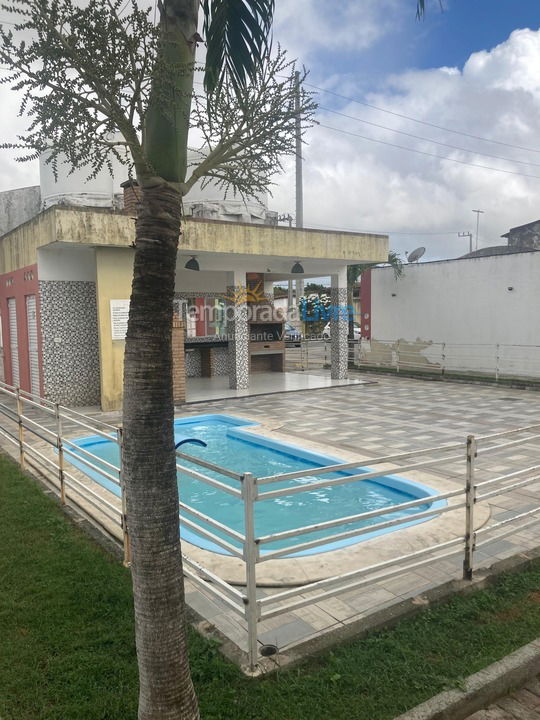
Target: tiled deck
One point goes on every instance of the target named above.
(266, 383)
(385, 416)
(392, 415)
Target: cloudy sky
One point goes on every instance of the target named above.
(408, 110)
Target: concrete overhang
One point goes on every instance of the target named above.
(274, 247)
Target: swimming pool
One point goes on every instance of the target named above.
(230, 445)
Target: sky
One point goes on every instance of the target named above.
(432, 100)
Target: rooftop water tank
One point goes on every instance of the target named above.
(213, 203)
(72, 187)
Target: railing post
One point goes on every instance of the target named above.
(21, 427)
(60, 448)
(470, 500)
(125, 527)
(249, 494)
(497, 360)
(443, 358)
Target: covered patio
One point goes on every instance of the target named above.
(234, 342)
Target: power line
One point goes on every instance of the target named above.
(422, 122)
(420, 137)
(433, 155)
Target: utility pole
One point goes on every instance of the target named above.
(478, 213)
(299, 178)
(469, 235)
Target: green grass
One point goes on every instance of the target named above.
(67, 649)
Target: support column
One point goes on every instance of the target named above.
(299, 290)
(339, 327)
(238, 331)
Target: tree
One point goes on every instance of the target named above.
(87, 73)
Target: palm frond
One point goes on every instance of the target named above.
(237, 36)
(421, 8)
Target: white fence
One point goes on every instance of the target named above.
(51, 422)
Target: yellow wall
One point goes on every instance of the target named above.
(114, 270)
(18, 248)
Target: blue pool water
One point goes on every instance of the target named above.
(231, 446)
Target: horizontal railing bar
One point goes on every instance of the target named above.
(238, 609)
(354, 585)
(9, 389)
(223, 584)
(356, 518)
(99, 502)
(6, 410)
(43, 406)
(356, 463)
(32, 397)
(39, 425)
(508, 476)
(507, 488)
(352, 478)
(503, 446)
(507, 533)
(88, 454)
(361, 572)
(508, 521)
(359, 531)
(32, 449)
(40, 436)
(9, 436)
(508, 433)
(209, 465)
(209, 481)
(111, 437)
(214, 538)
(214, 523)
(69, 412)
(97, 469)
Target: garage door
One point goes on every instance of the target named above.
(33, 355)
(13, 342)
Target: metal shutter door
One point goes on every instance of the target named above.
(33, 355)
(13, 341)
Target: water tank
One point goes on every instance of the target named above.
(74, 188)
(210, 202)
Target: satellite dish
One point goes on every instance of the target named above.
(416, 254)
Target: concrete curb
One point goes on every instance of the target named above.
(482, 688)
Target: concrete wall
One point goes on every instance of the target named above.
(470, 305)
(18, 206)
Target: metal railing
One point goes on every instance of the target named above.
(52, 421)
(498, 361)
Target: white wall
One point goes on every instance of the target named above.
(67, 263)
(462, 303)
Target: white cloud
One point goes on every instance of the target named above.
(353, 183)
(305, 27)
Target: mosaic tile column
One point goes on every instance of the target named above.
(339, 330)
(69, 328)
(238, 335)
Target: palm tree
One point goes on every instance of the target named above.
(236, 33)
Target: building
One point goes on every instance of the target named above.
(65, 279)
(467, 315)
(524, 237)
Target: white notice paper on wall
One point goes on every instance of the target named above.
(119, 319)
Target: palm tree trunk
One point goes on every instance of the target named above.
(166, 690)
